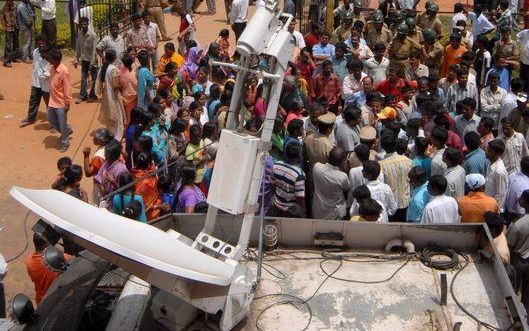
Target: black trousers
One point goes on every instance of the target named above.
(49, 29)
(2, 301)
(10, 47)
(521, 266)
(88, 69)
(238, 28)
(34, 102)
(400, 215)
(524, 75)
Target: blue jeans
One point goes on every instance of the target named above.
(58, 119)
(86, 69)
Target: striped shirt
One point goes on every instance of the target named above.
(395, 169)
(289, 182)
(456, 93)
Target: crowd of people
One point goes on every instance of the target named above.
(379, 120)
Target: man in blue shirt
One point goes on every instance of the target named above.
(476, 160)
(323, 51)
(419, 194)
(501, 69)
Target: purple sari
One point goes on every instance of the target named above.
(113, 170)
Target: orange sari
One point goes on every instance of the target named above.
(148, 189)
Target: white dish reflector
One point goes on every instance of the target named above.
(133, 240)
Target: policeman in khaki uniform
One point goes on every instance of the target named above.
(342, 32)
(316, 148)
(422, 15)
(430, 20)
(401, 47)
(370, 25)
(395, 19)
(357, 12)
(432, 50)
(379, 33)
(413, 32)
(155, 8)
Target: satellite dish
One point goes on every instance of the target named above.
(23, 310)
(54, 259)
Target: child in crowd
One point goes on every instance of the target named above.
(63, 163)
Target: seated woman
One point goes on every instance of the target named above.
(189, 197)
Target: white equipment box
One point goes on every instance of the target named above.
(234, 166)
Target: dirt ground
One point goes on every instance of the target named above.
(28, 155)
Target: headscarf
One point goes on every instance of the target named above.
(190, 66)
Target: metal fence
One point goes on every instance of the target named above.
(102, 13)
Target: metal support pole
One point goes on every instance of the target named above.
(72, 24)
(261, 226)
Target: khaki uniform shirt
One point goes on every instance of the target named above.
(341, 33)
(374, 37)
(316, 148)
(435, 55)
(399, 51)
(153, 3)
(416, 36)
(370, 26)
(428, 23)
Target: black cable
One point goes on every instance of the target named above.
(427, 254)
(26, 238)
(299, 301)
(361, 281)
(469, 314)
(86, 132)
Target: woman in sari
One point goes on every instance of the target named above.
(128, 82)
(112, 112)
(102, 137)
(148, 187)
(145, 81)
(189, 196)
(190, 68)
(107, 176)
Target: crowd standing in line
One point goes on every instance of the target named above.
(379, 120)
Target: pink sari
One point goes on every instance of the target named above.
(128, 81)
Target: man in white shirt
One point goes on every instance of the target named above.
(492, 98)
(523, 41)
(458, 15)
(239, 16)
(480, 23)
(377, 66)
(352, 84)
(153, 37)
(454, 174)
(440, 209)
(40, 82)
(510, 102)
(49, 25)
(497, 176)
(114, 41)
(515, 146)
(438, 139)
(298, 39)
(380, 191)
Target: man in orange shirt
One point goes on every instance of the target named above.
(474, 205)
(40, 275)
(60, 98)
(453, 53)
(170, 55)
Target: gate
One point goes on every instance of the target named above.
(102, 13)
